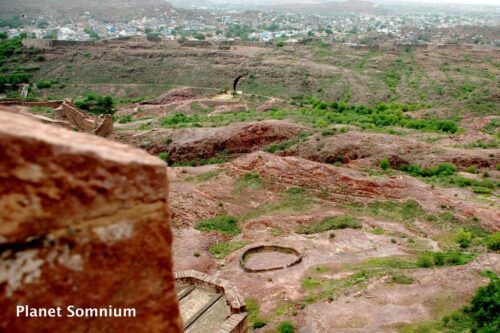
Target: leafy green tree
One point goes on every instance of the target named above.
(96, 104)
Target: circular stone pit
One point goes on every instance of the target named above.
(264, 258)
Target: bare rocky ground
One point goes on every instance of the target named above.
(374, 305)
(349, 279)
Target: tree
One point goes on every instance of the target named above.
(92, 34)
(199, 36)
(96, 104)
(42, 24)
(273, 27)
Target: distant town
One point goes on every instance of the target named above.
(272, 26)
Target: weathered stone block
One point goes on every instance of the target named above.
(83, 222)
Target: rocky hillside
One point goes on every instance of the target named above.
(104, 10)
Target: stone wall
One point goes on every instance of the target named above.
(83, 222)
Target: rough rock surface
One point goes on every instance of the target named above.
(195, 143)
(174, 95)
(200, 143)
(366, 149)
(351, 185)
(83, 222)
(271, 104)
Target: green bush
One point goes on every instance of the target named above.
(164, 156)
(286, 327)
(331, 223)
(464, 238)
(430, 259)
(425, 260)
(44, 84)
(441, 170)
(259, 323)
(493, 242)
(471, 169)
(485, 308)
(225, 224)
(385, 164)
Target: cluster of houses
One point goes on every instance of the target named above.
(264, 26)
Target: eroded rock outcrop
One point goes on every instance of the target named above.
(367, 149)
(187, 144)
(83, 222)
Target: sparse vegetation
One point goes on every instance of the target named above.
(283, 146)
(248, 181)
(407, 211)
(218, 159)
(254, 318)
(445, 174)
(331, 223)
(321, 114)
(430, 259)
(224, 224)
(482, 316)
(401, 279)
(202, 177)
(221, 250)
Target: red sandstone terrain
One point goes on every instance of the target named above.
(365, 193)
(280, 178)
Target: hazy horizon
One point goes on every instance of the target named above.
(284, 2)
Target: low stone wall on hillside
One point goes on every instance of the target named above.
(83, 223)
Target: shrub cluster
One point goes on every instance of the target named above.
(444, 169)
(430, 259)
(380, 116)
(331, 223)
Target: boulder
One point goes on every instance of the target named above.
(83, 223)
